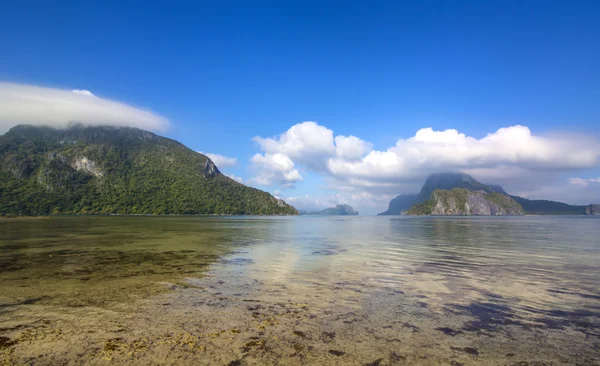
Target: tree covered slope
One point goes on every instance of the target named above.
(109, 170)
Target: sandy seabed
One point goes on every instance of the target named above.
(208, 321)
(185, 291)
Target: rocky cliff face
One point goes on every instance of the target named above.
(592, 210)
(460, 201)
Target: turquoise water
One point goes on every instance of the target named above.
(304, 290)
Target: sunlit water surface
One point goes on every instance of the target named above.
(300, 290)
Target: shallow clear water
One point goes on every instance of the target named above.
(301, 290)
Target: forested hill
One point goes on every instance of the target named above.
(116, 170)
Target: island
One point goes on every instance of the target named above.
(338, 210)
(478, 199)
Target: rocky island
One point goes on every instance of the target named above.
(497, 200)
(461, 201)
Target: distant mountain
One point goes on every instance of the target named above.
(339, 210)
(448, 181)
(497, 188)
(544, 207)
(400, 204)
(462, 201)
(111, 170)
(453, 180)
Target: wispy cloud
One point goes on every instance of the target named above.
(580, 191)
(30, 104)
(236, 178)
(83, 92)
(584, 182)
(220, 160)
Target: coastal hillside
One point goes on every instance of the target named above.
(461, 201)
(338, 210)
(112, 170)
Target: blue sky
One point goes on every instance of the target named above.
(223, 73)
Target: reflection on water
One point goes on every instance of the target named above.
(301, 290)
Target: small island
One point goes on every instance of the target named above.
(338, 210)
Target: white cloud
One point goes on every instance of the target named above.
(513, 148)
(307, 144)
(584, 182)
(366, 203)
(83, 92)
(236, 178)
(275, 169)
(310, 202)
(573, 191)
(351, 147)
(29, 104)
(220, 161)
(513, 156)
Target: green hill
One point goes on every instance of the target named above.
(110, 170)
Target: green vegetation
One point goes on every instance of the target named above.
(495, 194)
(423, 208)
(461, 201)
(503, 201)
(458, 195)
(106, 170)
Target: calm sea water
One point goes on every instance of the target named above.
(301, 290)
